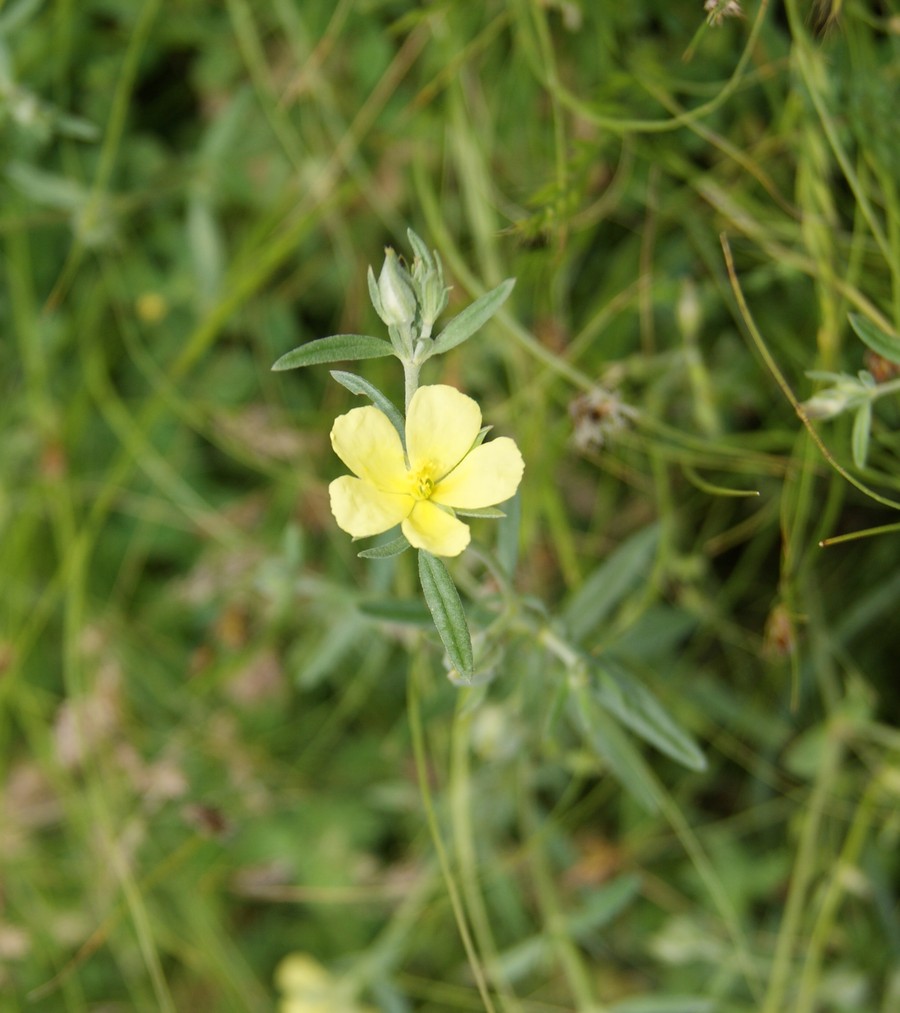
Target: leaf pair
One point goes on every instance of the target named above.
(353, 347)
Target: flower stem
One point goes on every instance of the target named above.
(411, 377)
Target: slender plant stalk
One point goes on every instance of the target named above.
(418, 739)
(805, 864)
(467, 858)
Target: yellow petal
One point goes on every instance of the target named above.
(488, 475)
(366, 441)
(362, 510)
(441, 426)
(430, 528)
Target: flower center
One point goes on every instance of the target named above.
(422, 483)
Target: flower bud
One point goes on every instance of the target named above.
(827, 404)
(396, 293)
(846, 393)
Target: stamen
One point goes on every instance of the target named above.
(423, 483)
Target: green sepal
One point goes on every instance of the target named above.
(337, 348)
(886, 345)
(447, 612)
(492, 512)
(392, 548)
(420, 249)
(479, 439)
(473, 317)
(357, 385)
(374, 294)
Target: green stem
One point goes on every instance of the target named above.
(567, 952)
(461, 794)
(804, 869)
(411, 379)
(418, 740)
(823, 928)
(891, 387)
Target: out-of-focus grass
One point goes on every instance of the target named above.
(208, 742)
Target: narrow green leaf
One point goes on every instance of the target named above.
(606, 738)
(602, 905)
(862, 427)
(357, 385)
(46, 188)
(606, 588)
(491, 512)
(886, 345)
(337, 348)
(638, 709)
(392, 548)
(446, 609)
(332, 651)
(472, 317)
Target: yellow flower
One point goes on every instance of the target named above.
(445, 471)
(308, 987)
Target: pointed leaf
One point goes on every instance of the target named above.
(638, 709)
(337, 348)
(357, 385)
(332, 651)
(391, 548)
(472, 317)
(446, 609)
(46, 188)
(607, 587)
(886, 345)
(612, 745)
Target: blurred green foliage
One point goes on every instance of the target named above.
(224, 739)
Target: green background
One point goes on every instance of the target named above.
(224, 738)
